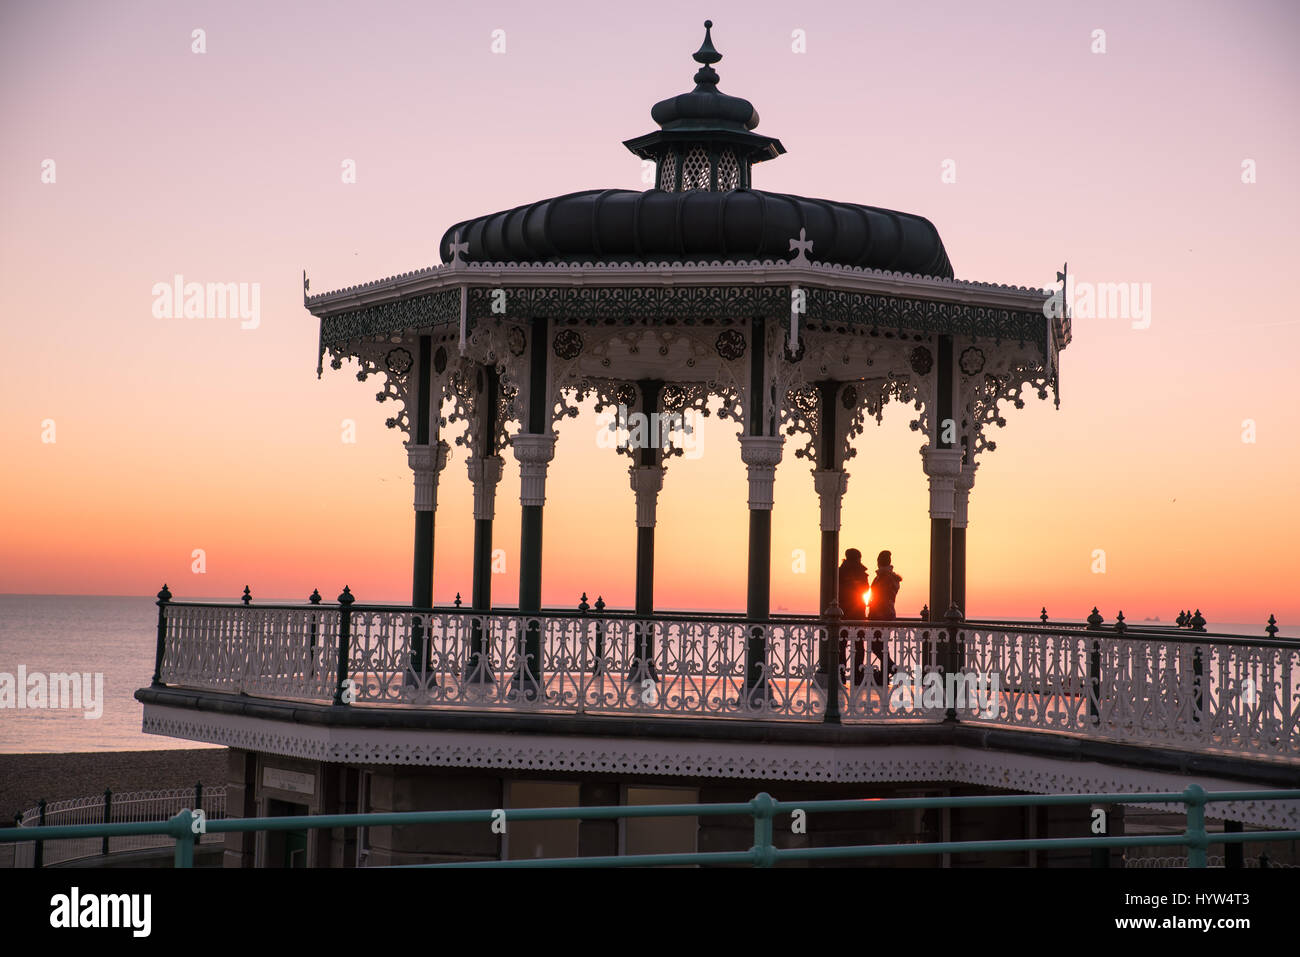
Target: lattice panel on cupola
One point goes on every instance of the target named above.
(668, 173)
(695, 170)
(728, 171)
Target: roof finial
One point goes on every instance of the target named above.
(707, 55)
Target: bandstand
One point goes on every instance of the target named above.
(798, 319)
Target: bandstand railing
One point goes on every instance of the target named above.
(1159, 687)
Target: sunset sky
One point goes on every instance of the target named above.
(179, 434)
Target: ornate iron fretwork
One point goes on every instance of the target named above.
(567, 344)
(921, 360)
(985, 394)
(971, 361)
(399, 361)
(730, 344)
(689, 305)
(416, 312)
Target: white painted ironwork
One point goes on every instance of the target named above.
(1165, 690)
(124, 807)
(277, 652)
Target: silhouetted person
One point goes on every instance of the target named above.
(854, 581)
(883, 592)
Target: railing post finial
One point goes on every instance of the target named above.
(1271, 630)
(457, 602)
(1043, 615)
(314, 597)
(248, 596)
(164, 597)
(1120, 627)
(1198, 623)
(1095, 620)
(583, 607)
(342, 690)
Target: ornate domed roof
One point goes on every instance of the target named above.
(702, 206)
(621, 225)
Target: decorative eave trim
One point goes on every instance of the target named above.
(726, 296)
(615, 275)
(756, 760)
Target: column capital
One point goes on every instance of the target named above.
(943, 466)
(485, 474)
(961, 495)
(647, 482)
(761, 455)
(533, 452)
(426, 462)
(830, 485)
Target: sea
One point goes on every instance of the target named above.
(115, 637)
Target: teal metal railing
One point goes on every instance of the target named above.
(763, 809)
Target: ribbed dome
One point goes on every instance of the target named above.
(619, 225)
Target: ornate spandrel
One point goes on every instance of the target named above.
(990, 377)
(695, 363)
(503, 345)
(870, 368)
(467, 393)
(395, 362)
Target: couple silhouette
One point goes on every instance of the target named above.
(861, 599)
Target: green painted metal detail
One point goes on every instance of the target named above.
(415, 312)
(763, 809)
(683, 304)
(923, 315)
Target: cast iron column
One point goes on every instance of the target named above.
(942, 463)
(647, 476)
(484, 473)
(534, 450)
(830, 481)
(426, 460)
(760, 450)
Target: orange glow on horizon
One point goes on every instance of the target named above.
(180, 437)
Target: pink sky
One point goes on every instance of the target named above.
(175, 435)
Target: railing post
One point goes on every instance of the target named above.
(1094, 667)
(831, 622)
(198, 805)
(181, 829)
(39, 859)
(313, 599)
(108, 817)
(1234, 855)
(1197, 841)
(952, 663)
(600, 636)
(164, 597)
(345, 642)
(763, 808)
